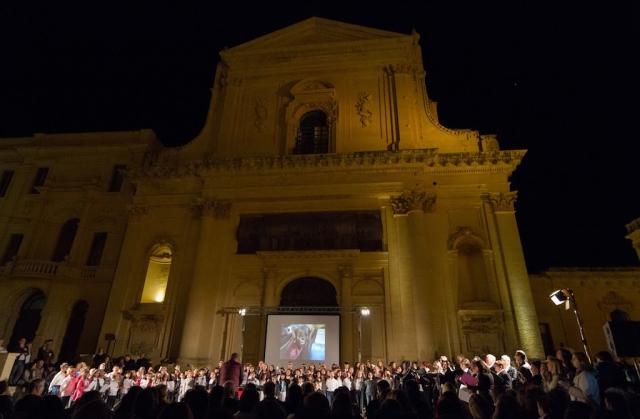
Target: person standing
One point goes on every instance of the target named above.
(23, 349)
(46, 354)
(231, 371)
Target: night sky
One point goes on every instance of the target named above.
(560, 81)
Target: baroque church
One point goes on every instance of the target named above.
(321, 182)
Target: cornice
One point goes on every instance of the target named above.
(284, 56)
(418, 160)
(314, 254)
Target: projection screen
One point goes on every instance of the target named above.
(302, 339)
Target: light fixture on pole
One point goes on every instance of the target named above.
(363, 312)
(566, 296)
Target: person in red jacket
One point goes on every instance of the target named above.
(231, 371)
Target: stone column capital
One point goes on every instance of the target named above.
(137, 212)
(501, 201)
(413, 201)
(215, 208)
(269, 273)
(346, 271)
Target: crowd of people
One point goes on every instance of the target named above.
(564, 385)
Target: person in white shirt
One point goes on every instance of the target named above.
(54, 386)
(128, 382)
(111, 389)
(346, 381)
(332, 384)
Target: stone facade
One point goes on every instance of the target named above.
(412, 220)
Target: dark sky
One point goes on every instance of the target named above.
(560, 81)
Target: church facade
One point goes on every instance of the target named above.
(322, 180)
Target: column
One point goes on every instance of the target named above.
(126, 280)
(409, 209)
(515, 271)
(269, 297)
(202, 304)
(347, 336)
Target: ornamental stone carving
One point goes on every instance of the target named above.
(413, 201)
(145, 321)
(212, 208)
(363, 108)
(399, 68)
(501, 201)
(482, 331)
(261, 111)
(465, 234)
(612, 301)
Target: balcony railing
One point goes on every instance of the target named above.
(35, 268)
(47, 269)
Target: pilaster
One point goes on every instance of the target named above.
(203, 330)
(501, 206)
(347, 338)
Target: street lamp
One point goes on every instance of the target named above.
(363, 312)
(566, 296)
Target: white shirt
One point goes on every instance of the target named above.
(332, 384)
(347, 383)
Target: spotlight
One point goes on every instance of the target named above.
(560, 296)
(243, 312)
(365, 311)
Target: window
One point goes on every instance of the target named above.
(97, 247)
(157, 278)
(65, 240)
(5, 181)
(12, 248)
(117, 176)
(41, 176)
(313, 134)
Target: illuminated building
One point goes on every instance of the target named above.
(321, 177)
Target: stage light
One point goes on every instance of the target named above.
(365, 311)
(243, 312)
(560, 296)
(566, 296)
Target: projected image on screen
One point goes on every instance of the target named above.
(302, 339)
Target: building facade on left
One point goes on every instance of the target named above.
(64, 209)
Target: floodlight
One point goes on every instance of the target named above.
(560, 296)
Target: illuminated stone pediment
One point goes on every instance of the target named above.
(314, 31)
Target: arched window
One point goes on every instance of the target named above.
(65, 240)
(157, 278)
(29, 320)
(313, 134)
(309, 291)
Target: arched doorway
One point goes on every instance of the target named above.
(30, 315)
(309, 291)
(69, 348)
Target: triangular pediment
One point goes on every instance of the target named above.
(313, 31)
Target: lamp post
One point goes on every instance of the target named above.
(243, 313)
(363, 312)
(566, 296)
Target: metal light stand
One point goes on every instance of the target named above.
(572, 298)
